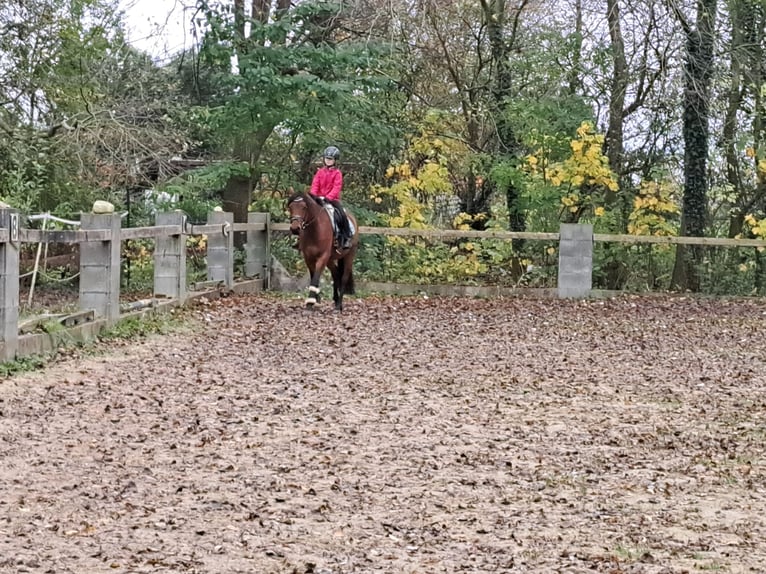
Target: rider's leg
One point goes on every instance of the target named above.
(344, 226)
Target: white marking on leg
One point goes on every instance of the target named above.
(313, 289)
(311, 301)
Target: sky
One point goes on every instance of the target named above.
(160, 27)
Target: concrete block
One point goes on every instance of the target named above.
(220, 250)
(575, 277)
(9, 289)
(100, 267)
(170, 259)
(258, 249)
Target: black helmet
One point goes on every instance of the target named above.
(332, 153)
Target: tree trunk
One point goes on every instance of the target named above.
(699, 68)
(614, 140)
(494, 16)
(575, 79)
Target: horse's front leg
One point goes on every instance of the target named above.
(315, 275)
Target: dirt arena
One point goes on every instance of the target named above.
(403, 436)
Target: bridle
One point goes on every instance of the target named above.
(303, 223)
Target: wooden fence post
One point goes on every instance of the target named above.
(9, 284)
(258, 249)
(220, 249)
(575, 260)
(170, 258)
(100, 267)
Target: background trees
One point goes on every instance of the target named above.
(482, 113)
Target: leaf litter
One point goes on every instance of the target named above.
(403, 435)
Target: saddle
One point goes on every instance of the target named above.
(337, 217)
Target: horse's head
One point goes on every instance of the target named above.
(297, 207)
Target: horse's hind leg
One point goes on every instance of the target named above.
(339, 273)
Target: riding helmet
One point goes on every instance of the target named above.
(332, 153)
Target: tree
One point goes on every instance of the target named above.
(700, 41)
(83, 114)
(294, 69)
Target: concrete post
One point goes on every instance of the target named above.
(100, 267)
(575, 260)
(9, 285)
(170, 258)
(258, 249)
(220, 249)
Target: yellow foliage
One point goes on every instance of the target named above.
(651, 209)
(422, 175)
(586, 170)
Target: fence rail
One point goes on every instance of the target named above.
(100, 237)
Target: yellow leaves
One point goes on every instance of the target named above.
(462, 221)
(587, 167)
(599, 212)
(399, 171)
(652, 207)
(550, 250)
(757, 226)
(584, 129)
(750, 152)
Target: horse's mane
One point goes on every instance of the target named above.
(300, 195)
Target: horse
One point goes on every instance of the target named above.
(311, 222)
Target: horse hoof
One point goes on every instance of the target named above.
(310, 302)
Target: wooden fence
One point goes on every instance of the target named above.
(100, 237)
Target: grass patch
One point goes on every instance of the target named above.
(139, 327)
(22, 365)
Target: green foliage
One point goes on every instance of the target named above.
(22, 365)
(273, 204)
(198, 190)
(547, 122)
(301, 85)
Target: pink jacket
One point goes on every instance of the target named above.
(327, 183)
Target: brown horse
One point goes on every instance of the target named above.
(311, 222)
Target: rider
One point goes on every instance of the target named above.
(328, 184)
